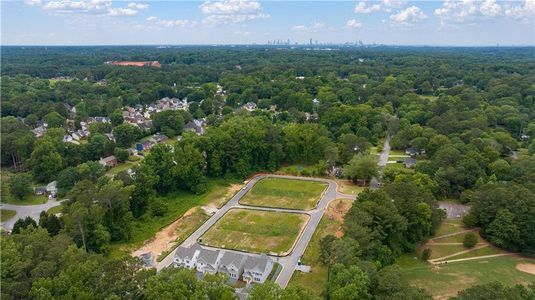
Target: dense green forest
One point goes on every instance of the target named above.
(469, 113)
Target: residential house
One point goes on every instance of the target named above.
(110, 161)
(186, 257)
(52, 189)
(39, 131)
(132, 151)
(75, 136)
(160, 138)
(39, 190)
(231, 264)
(208, 261)
(257, 268)
(67, 138)
(196, 126)
(414, 151)
(147, 144)
(250, 106)
(409, 162)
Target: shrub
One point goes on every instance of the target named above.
(470, 240)
(426, 254)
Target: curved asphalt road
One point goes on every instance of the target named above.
(23, 211)
(288, 262)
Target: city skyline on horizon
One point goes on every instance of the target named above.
(240, 22)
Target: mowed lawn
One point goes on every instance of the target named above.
(285, 193)
(6, 214)
(447, 279)
(256, 231)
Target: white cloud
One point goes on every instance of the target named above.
(93, 7)
(524, 12)
(33, 2)
(82, 6)
(137, 6)
(170, 23)
(384, 5)
(353, 24)
(118, 11)
(408, 16)
(395, 3)
(455, 11)
(231, 11)
(490, 8)
(362, 8)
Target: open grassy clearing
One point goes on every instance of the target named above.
(54, 210)
(285, 193)
(177, 204)
(489, 250)
(121, 167)
(256, 231)
(438, 251)
(449, 228)
(30, 199)
(316, 279)
(348, 187)
(6, 214)
(447, 279)
(458, 238)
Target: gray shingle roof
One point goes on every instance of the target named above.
(256, 262)
(208, 256)
(186, 252)
(235, 259)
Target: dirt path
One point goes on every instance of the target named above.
(528, 268)
(470, 258)
(164, 238)
(434, 260)
(455, 233)
(446, 244)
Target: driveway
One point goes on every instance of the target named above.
(383, 160)
(288, 262)
(23, 211)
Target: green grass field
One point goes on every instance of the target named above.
(255, 231)
(121, 167)
(54, 210)
(146, 227)
(285, 193)
(347, 187)
(6, 214)
(30, 199)
(447, 279)
(317, 278)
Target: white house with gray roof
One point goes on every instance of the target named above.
(232, 264)
(208, 261)
(186, 257)
(257, 268)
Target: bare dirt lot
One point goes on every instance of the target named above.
(176, 231)
(528, 268)
(336, 211)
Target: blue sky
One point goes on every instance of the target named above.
(393, 22)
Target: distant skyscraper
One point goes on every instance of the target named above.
(310, 41)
